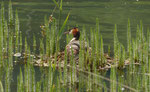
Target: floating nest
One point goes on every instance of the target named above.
(59, 61)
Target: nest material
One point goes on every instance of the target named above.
(59, 60)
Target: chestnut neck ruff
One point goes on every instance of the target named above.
(76, 35)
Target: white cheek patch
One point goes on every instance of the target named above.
(70, 32)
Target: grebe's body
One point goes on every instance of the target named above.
(74, 45)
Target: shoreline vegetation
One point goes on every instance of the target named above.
(15, 50)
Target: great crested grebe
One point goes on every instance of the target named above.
(74, 44)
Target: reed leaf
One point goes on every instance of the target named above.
(10, 13)
(62, 27)
(1, 87)
(20, 85)
(103, 59)
(115, 43)
(113, 87)
(17, 31)
(56, 3)
(128, 37)
(7, 78)
(61, 2)
(2, 23)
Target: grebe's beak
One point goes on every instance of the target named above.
(66, 32)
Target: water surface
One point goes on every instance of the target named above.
(85, 12)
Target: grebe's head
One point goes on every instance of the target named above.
(75, 32)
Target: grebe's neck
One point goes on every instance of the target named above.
(73, 39)
(77, 36)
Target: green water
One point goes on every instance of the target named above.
(85, 12)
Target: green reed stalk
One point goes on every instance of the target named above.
(97, 37)
(74, 72)
(138, 33)
(10, 14)
(54, 37)
(58, 85)
(89, 83)
(134, 50)
(103, 59)
(59, 6)
(121, 55)
(145, 52)
(141, 32)
(148, 44)
(20, 84)
(50, 72)
(105, 87)
(6, 38)
(1, 87)
(83, 42)
(144, 78)
(41, 48)
(60, 72)
(87, 58)
(71, 64)
(93, 46)
(17, 31)
(28, 74)
(138, 43)
(45, 83)
(81, 58)
(65, 68)
(141, 41)
(57, 45)
(33, 79)
(26, 48)
(81, 85)
(20, 41)
(113, 77)
(26, 80)
(47, 37)
(129, 38)
(120, 80)
(38, 87)
(92, 39)
(138, 83)
(109, 50)
(34, 43)
(60, 33)
(10, 56)
(1, 44)
(115, 44)
(30, 59)
(46, 33)
(7, 79)
(149, 68)
(2, 23)
(1, 55)
(60, 14)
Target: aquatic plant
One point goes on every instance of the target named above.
(113, 86)
(1, 87)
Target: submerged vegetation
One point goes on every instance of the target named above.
(59, 75)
